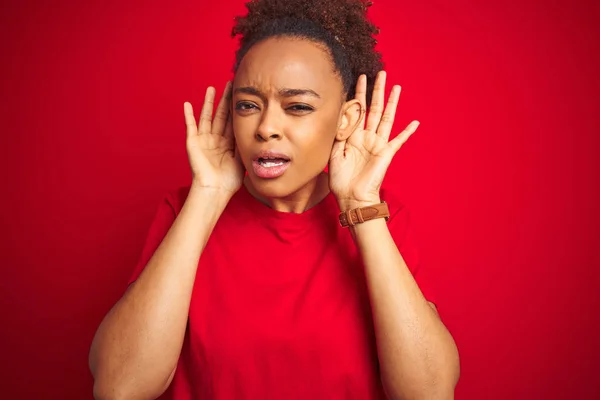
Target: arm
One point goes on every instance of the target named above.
(136, 348)
(417, 354)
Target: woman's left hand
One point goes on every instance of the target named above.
(358, 164)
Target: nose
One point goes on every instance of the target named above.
(269, 128)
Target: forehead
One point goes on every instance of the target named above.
(288, 62)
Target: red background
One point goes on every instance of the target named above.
(501, 177)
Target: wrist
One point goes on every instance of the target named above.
(351, 204)
(369, 228)
(214, 198)
(219, 193)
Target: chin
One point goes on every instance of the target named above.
(273, 188)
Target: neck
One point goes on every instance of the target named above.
(299, 201)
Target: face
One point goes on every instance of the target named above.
(288, 106)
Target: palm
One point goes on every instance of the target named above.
(213, 156)
(211, 145)
(358, 164)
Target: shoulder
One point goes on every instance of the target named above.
(176, 197)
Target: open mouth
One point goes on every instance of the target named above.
(272, 162)
(269, 166)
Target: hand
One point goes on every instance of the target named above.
(211, 146)
(359, 163)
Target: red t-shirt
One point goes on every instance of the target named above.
(280, 308)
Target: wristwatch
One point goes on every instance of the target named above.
(363, 214)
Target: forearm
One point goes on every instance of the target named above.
(137, 346)
(417, 354)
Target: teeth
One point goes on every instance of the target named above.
(269, 164)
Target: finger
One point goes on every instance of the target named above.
(190, 122)
(399, 140)
(207, 109)
(387, 119)
(361, 90)
(222, 112)
(377, 102)
(228, 131)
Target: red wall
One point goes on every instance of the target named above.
(501, 177)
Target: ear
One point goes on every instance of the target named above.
(352, 115)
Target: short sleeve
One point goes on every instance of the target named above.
(163, 219)
(401, 230)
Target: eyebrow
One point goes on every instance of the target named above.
(285, 92)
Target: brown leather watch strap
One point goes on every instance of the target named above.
(363, 214)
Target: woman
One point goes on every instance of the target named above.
(268, 278)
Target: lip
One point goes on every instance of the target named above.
(271, 154)
(270, 172)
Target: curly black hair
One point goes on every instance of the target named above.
(341, 25)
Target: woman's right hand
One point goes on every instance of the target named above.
(211, 146)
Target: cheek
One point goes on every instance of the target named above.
(243, 130)
(318, 147)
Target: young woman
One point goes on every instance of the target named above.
(268, 278)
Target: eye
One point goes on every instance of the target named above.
(301, 108)
(245, 106)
